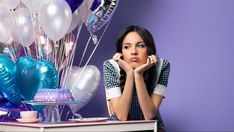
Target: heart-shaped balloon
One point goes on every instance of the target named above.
(32, 75)
(8, 87)
(83, 84)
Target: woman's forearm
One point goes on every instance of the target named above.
(147, 106)
(121, 108)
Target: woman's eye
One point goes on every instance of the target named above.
(141, 45)
(125, 47)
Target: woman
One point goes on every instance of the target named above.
(136, 79)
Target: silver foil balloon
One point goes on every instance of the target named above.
(100, 16)
(83, 83)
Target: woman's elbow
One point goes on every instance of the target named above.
(149, 117)
(122, 117)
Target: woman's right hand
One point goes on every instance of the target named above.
(123, 64)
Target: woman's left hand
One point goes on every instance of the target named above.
(151, 60)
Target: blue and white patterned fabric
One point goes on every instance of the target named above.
(111, 73)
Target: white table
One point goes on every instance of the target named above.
(75, 126)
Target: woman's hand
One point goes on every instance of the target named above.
(123, 64)
(151, 60)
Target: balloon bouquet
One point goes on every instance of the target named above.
(40, 39)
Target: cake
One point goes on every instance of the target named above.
(53, 95)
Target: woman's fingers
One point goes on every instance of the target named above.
(152, 58)
(117, 56)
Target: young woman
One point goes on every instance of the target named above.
(136, 79)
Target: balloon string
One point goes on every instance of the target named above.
(62, 54)
(28, 51)
(47, 47)
(83, 18)
(60, 48)
(55, 55)
(71, 59)
(26, 107)
(70, 62)
(85, 50)
(74, 49)
(35, 35)
(11, 52)
(92, 53)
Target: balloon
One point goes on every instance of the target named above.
(83, 84)
(74, 4)
(8, 87)
(33, 5)
(101, 15)
(10, 4)
(95, 5)
(76, 19)
(24, 27)
(55, 18)
(6, 24)
(10, 112)
(86, 8)
(42, 74)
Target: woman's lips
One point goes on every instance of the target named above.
(134, 59)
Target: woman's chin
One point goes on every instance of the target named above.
(134, 66)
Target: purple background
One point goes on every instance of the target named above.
(197, 37)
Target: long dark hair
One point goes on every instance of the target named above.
(149, 75)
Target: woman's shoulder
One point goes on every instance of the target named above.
(164, 63)
(112, 64)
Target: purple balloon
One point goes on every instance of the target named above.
(9, 112)
(95, 5)
(101, 15)
(74, 4)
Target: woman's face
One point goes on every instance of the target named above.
(134, 50)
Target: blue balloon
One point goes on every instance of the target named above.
(46, 74)
(32, 75)
(8, 63)
(8, 87)
(74, 4)
(21, 74)
(24, 61)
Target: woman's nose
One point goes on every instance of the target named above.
(133, 51)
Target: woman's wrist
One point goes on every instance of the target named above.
(138, 75)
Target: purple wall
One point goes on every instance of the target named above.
(197, 36)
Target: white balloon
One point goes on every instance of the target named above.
(24, 27)
(76, 19)
(55, 18)
(6, 24)
(83, 83)
(33, 5)
(10, 4)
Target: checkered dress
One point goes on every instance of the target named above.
(111, 73)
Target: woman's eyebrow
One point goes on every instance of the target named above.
(141, 41)
(126, 44)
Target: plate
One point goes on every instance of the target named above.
(28, 120)
(95, 119)
(34, 102)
